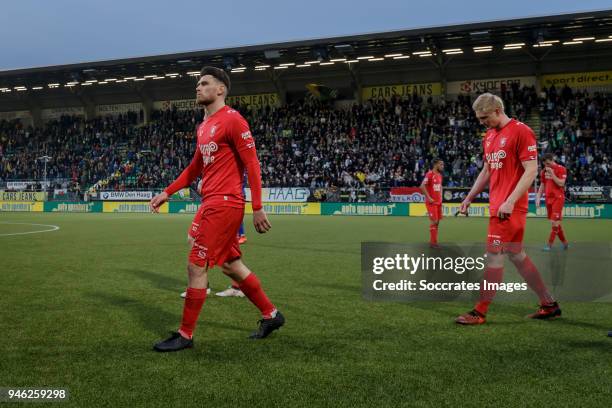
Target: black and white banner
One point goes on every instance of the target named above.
(590, 194)
(282, 194)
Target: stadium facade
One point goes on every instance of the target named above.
(441, 62)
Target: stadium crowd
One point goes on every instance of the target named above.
(375, 145)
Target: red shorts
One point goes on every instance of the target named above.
(434, 211)
(219, 244)
(194, 228)
(506, 235)
(554, 209)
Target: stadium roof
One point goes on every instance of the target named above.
(539, 37)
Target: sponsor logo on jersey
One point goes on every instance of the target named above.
(207, 150)
(246, 135)
(495, 159)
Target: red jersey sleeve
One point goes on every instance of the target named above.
(243, 142)
(426, 179)
(526, 144)
(561, 172)
(188, 175)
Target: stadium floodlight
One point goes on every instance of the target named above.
(37, 88)
(193, 73)
(185, 61)
(583, 39)
(287, 64)
(454, 52)
(451, 50)
(376, 59)
(238, 70)
(338, 60)
(86, 84)
(172, 75)
(260, 69)
(421, 52)
(312, 62)
(90, 81)
(550, 42)
(140, 79)
(351, 61)
(327, 63)
(425, 55)
(158, 77)
(542, 45)
(343, 47)
(303, 65)
(514, 45)
(53, 85)
(281, 67)
(572, 42)
(110, 79)
(129, 78)
(102, 83)
(393, 55)
(149, 76)
(603, 40)
(401, 57)
(262, 66)
(365, 57)
(121, 80)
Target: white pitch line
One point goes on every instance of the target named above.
(53, 228)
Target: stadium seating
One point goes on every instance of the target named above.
(374, 145)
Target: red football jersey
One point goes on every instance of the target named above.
(225, 148)
(433, 185)
(504, 150)
(552, 190)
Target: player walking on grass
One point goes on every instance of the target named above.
(510, 167)
(432, 190)
(225, 148)
(552, 184)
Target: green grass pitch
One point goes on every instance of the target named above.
(81, 307)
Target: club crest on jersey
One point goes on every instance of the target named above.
(502, 142)
(213, 129)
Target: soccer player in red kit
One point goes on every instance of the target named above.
(225, 148)
(510, 168)
(432, 190)
(552, 183)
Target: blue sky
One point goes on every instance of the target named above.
(40, 33)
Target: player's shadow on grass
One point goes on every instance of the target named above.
(159, 281)
(152, 318)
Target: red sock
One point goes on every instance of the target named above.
(491, 275)
(562, 235)
(251, 287)
(433, 233)
(191, 310)
(553, 233)
(530, 273)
